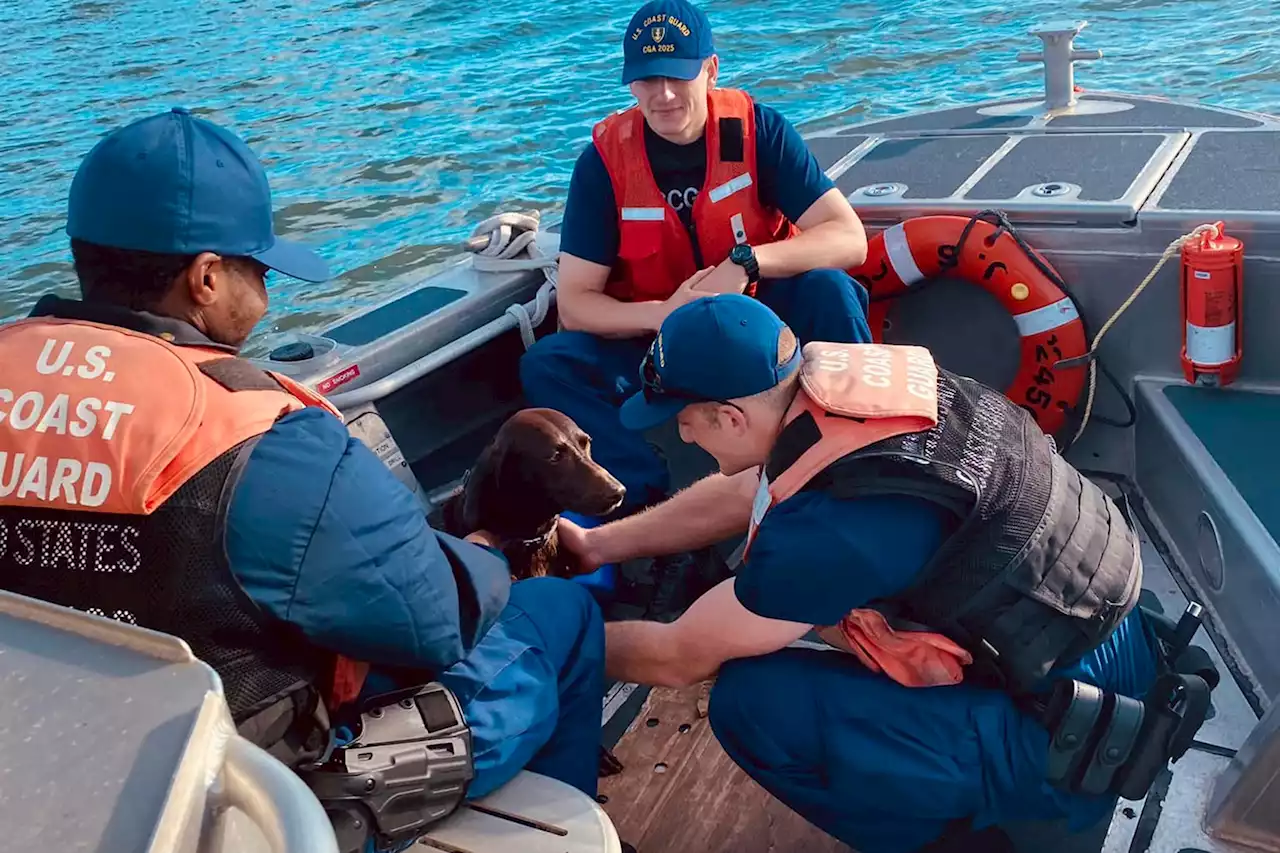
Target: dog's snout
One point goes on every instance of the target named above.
(609, 497)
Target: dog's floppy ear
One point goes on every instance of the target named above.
(482, 485)
(509, 496)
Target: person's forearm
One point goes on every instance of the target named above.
(647, 653)
(709, 511)
(601, 314)
(836, 244)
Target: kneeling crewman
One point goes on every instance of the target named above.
(997, 668)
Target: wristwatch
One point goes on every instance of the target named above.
(745, 257)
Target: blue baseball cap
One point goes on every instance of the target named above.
(715, 348)
(666, 38)
(176, 184)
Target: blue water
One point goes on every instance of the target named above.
(389, 127)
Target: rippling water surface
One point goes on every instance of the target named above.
(389, 127)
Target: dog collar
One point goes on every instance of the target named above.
(539, 540)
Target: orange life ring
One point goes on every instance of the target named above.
(918, 249)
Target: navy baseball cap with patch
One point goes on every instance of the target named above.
(666, 38)
(177, 184)
(713, 349)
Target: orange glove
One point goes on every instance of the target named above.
(911, 658)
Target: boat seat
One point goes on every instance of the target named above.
(532, 814)
(1203, 468)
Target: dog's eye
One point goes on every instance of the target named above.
(558, 453)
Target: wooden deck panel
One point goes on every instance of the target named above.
(698, 799)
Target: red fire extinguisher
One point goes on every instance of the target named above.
(1212, 295)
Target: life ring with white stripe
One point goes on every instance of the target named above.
(1054, 364)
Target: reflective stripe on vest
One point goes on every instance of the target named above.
(99, 418)
(655, 252)
(730, 187)
(643, 214)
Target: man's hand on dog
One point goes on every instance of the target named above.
(575, 543)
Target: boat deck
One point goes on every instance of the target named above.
(680, 791)
(1168, 820)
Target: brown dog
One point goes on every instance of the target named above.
(537, 466)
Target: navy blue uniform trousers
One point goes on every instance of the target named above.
(885, 768)
(588, 377)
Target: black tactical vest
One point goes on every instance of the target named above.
(168, 572)
(1042, 567)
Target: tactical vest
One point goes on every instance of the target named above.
(1042, 566)
(119, 453)
(656, 253)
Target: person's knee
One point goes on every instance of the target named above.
(553, 358)
(733, 704)
(766, 721)
(831, 290)
(826, 305)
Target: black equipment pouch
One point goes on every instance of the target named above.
(293, 729)
(1105, 744)
(408, 766)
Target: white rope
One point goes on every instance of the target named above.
(508, 242)
(1171, 250)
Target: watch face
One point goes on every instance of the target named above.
(740, 254)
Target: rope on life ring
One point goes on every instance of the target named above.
(497, 244)
(1055, 357)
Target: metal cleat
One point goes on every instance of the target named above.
(1059, 57)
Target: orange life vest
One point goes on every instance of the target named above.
(101, 419)
(859, 394)
(655, 251)
(98, 418)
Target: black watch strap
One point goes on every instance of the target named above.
(752, 266)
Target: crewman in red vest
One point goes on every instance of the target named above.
(695, 189)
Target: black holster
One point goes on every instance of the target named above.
(408, 766)
(1103, 743)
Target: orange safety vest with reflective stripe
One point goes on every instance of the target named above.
(655, 250)
(101, 419)
(859, 394)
